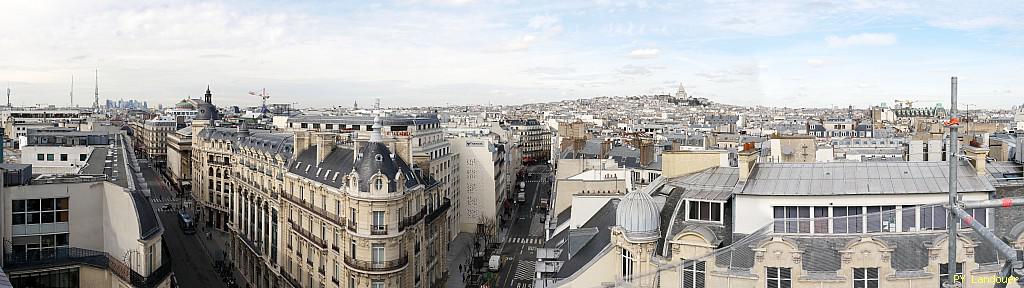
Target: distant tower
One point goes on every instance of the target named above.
(72, 93)
(376, 104)
(9, 95)
(96, 100)
(355, 105)
(208, 97)
(681, 94)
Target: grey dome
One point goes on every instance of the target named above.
(207, 112)
(638, 215)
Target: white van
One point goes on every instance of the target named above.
(495, 263)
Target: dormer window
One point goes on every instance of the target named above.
(378, 157)
(379, 183)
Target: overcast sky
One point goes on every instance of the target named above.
(778, 53)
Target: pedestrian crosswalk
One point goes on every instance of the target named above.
(523, 285)
(525, 270)
(526, 240)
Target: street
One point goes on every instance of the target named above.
(191, 264)
(526, 233)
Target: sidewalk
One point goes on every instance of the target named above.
(459, 255)
(216, 246)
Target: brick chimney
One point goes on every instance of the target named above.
(747, 158)
(646, 153)
(606, 147)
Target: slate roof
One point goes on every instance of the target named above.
(846, 178)
(340, 161)
(603, 220)
(368, 120)
(149, 224)
(714, 184)
(1004, 172)
(623, 155)
(272, 143)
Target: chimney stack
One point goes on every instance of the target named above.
(977, 155)
(606, 148)
(324, 145)
(675, 145)
(646, 153)
(301, 143)
(747, 158)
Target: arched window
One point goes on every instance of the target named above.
(211, 171)
(627, 264)
(379, 184)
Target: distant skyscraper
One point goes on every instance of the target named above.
(96, 101)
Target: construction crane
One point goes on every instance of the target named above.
(262, 93)
(904, 103)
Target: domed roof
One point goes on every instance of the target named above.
(638, 215)
(184, 105)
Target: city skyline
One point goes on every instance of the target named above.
(414, 53)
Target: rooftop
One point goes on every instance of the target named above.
(847, 178)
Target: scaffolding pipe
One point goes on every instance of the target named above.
(952, 150)
(994, 203)
(986, 235)
(1004, 275)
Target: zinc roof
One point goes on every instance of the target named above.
(849, 178)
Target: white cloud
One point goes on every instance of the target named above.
(975, 23)
(862, 39)
(635, 70)
(542, 21)
(816, 62)
(522, 43)
(646, 53)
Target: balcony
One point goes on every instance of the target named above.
(291, 280)
(69, 256)
(378, 229)
(412, 220)
(440, 210)
(320, 243)
(218, 162)
(351, 226)
(253, 246)
(336, 219)
(378, 266)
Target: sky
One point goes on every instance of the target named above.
(434, 52)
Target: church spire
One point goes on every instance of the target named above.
(208, 96)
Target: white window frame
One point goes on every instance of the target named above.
(627, 265)
(696, 270)
(862, 280)
(721, 210)
(779, 281)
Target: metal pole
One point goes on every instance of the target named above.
(985, 234)
(953, 161)
(994, 203)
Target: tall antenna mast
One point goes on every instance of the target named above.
(954, 161)
(96, 101)
(9, 95)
